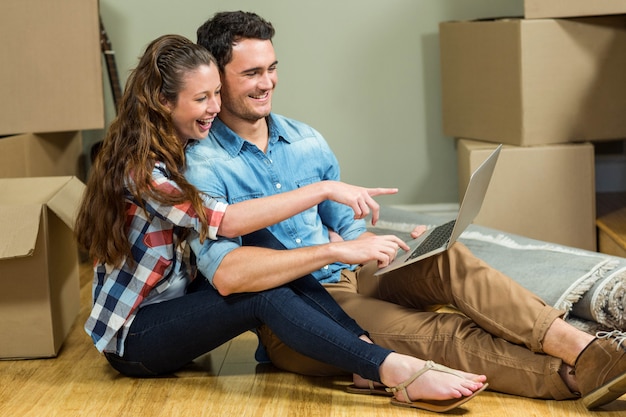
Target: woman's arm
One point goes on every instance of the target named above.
(248, 216)
(241, 218)
(182, 214)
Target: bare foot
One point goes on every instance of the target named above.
(433, 384)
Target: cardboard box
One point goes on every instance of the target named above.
(534, 82)
(51, 72)
(570, 8)
(544, 192)
(41, 155)
(40, 297)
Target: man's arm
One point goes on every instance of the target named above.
(252, 269)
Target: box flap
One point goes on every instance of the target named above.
(19, 226)
(40, 154)
(66, 201)
(62, 195)
(23, 191)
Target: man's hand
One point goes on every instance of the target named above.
(418, 231)
(367, 248)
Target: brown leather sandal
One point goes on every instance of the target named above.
(437, 406)
(371, 390)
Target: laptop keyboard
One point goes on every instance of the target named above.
(436, 239)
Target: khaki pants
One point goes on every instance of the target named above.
(498, 331)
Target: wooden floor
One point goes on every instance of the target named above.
(226, 382)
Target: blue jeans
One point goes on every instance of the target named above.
(166, 336)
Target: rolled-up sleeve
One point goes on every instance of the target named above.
(209, 255)
(202, 174)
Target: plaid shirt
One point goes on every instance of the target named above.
(159, 255)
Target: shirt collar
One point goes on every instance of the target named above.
(233, 143)
(277, 130)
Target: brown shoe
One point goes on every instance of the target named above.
(601, 369)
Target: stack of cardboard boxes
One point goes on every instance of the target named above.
(51, 89)
(548, 86)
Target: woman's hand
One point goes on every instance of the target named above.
(358, 198)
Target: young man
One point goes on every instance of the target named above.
(521, 344)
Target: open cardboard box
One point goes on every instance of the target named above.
(40, 298)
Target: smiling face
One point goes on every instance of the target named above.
(197, 104)
(249, 80)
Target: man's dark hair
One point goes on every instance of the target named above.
(219, 33)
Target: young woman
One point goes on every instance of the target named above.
(151, 315)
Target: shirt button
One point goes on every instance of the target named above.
(298, 240)
(279, 186)
(326, 266)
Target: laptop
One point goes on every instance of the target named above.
(443, 236)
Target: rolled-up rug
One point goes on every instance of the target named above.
(605, 301)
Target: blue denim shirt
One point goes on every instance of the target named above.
(231, 169)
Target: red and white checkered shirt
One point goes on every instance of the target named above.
(160, 258)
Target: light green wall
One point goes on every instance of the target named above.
(365, 73)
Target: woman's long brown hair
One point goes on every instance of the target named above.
(141, 134)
